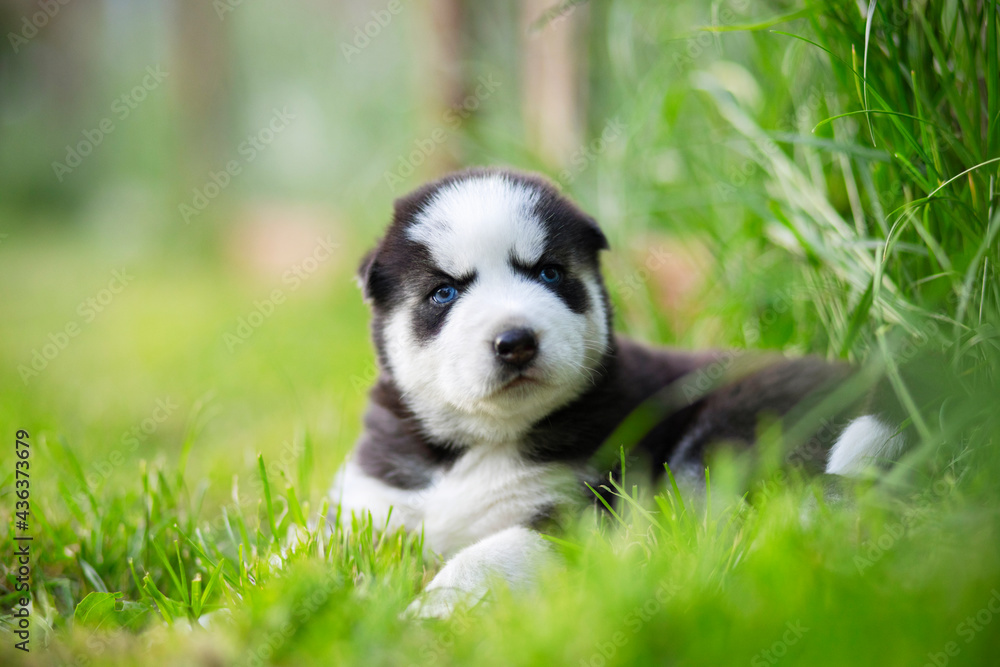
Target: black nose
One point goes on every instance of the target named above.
(516, 347)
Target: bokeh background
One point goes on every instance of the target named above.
(187, 186)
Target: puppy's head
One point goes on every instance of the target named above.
(489, 310)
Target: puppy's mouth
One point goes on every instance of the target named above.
(520, 381)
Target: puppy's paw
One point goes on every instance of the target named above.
(462, 582)
(441, 603)
(509, 557)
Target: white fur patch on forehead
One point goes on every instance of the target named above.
(480, 221)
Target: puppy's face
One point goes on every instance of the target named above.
(489, 311)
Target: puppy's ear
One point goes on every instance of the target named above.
(564, 217)
(598, 240)
(367, 277)
(586, 230)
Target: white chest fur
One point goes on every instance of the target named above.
(488, 489)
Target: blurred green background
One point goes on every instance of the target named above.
(186, 188)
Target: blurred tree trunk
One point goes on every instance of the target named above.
(446, 69)
(552, 99)
(201, 60)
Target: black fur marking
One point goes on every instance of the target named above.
(396, 267)
(631, 373)
(429, 317)
(767, 387)
(569, 289)
(569, 229)
(573, 293)
(392, 449)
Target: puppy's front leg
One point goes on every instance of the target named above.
(514, 556)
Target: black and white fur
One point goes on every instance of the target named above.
(500, 378)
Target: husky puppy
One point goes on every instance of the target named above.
(501, 379)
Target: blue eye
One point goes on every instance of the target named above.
(444, 294)
(550, 275)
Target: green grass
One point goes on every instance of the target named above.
(815, 214)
